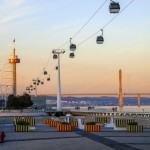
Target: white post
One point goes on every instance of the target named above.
(57, 53)
(59, 87)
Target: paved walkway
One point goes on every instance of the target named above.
(45, 138)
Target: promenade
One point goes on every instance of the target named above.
(46, 138)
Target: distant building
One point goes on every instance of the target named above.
(2, 103)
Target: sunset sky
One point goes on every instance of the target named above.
(39, 26)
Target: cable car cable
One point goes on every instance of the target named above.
(89, 20)
(106, 23)
(103, 26)
(84, 24)
(77, 32)
(95, 32)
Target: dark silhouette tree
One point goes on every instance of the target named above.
(19, 101)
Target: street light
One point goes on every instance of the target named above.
(56, 54)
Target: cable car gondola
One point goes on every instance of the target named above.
(56, 67)
(114, 7)
(34, 82)
(42, 82)
(71, 55)
(45, 72)
(48, 79)
(72, 46)
(100, 39)
(54, 56)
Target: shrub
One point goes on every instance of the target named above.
(65, 123)
(132, 123)
(90, 123)
(22, 123)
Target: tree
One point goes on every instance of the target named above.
(19, 101)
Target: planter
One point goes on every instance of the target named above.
(18, 118)
(22, 128)
(53, 123)
(122, 122)
(45, 121)
(92, 128)
(30, 120)
(64, 127)
(134, 128)
(102, 120)
(75, 124)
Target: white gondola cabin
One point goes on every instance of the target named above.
(114, 7)
(100, 40)
(71, 55)
(72, 46)
(54, 56)
(48, 79)
(45, 72)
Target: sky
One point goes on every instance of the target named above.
(39, 26)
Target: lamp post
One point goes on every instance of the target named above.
(56, 54)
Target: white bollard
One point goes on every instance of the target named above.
(80, 126)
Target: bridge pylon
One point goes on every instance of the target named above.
(120, 99)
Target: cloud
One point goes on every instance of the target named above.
(10, 18)
(14, 3)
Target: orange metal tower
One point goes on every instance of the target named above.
(14, 60)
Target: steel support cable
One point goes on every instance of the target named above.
(89, 20)
(84, 24)
(45, 66)
(77, 31)
(99, 29)
(110, 21)
(106, 24)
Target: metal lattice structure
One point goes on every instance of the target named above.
(6, 80)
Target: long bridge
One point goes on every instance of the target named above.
(102, 94)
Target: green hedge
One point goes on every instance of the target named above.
(133, 123)
(65, 123)
(22, 123)
(90, 123)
